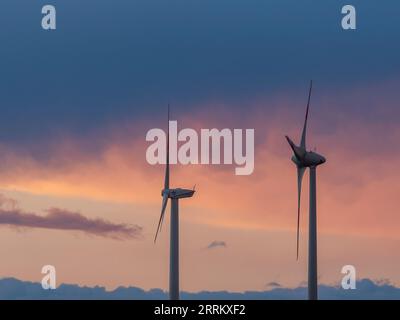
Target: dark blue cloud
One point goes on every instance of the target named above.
(61, 219)
(13, 289)
(273, 284)
(216, 244)
(110, 61)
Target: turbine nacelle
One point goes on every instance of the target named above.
(178, 193)
(313, 159)
(303, 158)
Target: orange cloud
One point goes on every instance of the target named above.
(357, 186)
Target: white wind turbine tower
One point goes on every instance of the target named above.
(308, 159)
(174, 195)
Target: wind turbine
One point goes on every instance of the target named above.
(308, 159)
(174, 195)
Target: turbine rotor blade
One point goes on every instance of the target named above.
(163, 207)
(298, 151)
(300, 173)
(303, 135)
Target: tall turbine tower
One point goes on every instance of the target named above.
(308, 159)
(174, 195)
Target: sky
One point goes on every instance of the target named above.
(76, 104)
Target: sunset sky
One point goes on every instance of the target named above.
(76, 104)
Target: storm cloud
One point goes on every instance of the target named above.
(229, 50)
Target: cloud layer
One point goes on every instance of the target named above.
(13, 289)
(62, 219)
(150, 54)
(353, 175)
